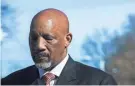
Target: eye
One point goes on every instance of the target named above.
(48, 37)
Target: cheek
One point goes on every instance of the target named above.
(58, 47)
(33, 45)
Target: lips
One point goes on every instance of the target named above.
(43, 58)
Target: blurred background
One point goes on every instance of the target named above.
(103, 34)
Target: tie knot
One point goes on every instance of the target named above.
(48, 77)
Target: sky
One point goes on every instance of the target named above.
(86, 18)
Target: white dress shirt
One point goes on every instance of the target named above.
(56, 70)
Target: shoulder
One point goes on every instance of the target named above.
(89, 69)
(20, 72)
(86, 70)
(94, 74)
(17, 76)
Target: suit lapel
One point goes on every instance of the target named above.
(68, 75)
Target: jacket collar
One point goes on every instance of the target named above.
(68, 75)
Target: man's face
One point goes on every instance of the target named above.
(47, 44)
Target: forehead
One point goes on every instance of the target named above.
(43, 26)
(48, 24)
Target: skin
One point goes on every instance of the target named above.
(49, 38)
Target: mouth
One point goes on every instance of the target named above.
(43, 58)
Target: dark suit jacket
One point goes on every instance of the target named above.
(74, 73)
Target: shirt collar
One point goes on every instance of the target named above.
(56, 70)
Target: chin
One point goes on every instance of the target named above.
(43, 65)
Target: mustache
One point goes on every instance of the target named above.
(40, 54)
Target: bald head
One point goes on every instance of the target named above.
(53, 19)
(49, 38)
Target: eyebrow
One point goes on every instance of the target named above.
(47, 35)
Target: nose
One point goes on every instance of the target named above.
(41, 44)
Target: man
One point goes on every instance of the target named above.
(49, 39)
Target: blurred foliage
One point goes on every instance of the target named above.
(118, 52)
(100, 44)
(8, 22)
(124, 58)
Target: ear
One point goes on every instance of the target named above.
(68, 39)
